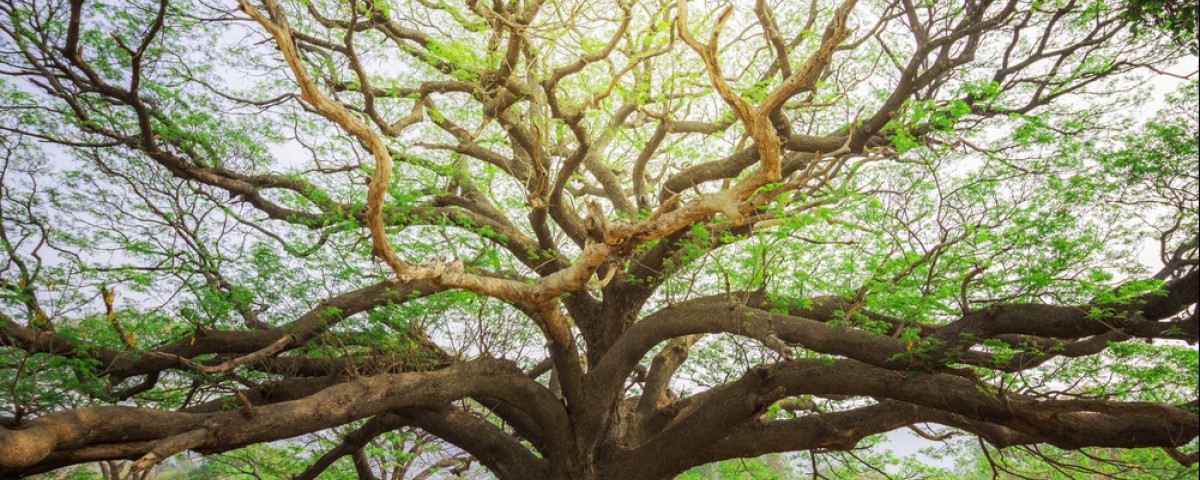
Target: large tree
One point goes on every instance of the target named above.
(590, 239)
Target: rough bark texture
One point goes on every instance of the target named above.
(592, 282)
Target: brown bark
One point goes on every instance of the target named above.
(586, 251)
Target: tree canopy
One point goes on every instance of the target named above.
(575, 239)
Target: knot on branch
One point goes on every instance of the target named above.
(760, 403)
(596, 224)
(170, 446)
(777, 345)
(799, 404)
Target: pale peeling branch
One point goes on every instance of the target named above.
(337, 112)
(757, 118)
(170, 446)
(269, 351)
(542, 290)
(627, 233)
(837, 33)
(438, 272)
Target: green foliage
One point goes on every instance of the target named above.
(1178, 19)
(978, 188)
(767, 467)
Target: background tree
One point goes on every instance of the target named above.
(1179, 19)
(590, 240)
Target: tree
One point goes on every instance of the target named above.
(1177, 18)
(590, 240)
